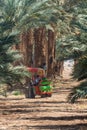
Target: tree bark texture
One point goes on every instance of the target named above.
(40, 46)
(26, 47)
(60, 65)
(51, 52)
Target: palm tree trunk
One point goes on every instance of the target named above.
(51, 52)
(26, 47)
(40, 46)
(60, 65)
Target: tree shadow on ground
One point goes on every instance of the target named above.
(61, 127)
(82, 117)
(6, 99)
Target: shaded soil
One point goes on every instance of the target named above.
(51, 113)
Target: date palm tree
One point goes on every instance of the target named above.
(79, 47)
(9, 74)
(19, 16)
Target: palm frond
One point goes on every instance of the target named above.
(78, 92)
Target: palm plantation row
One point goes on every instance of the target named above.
(36, 32)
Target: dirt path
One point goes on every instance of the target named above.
(53, 113)
(18, 113)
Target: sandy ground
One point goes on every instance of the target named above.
(51, 113)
